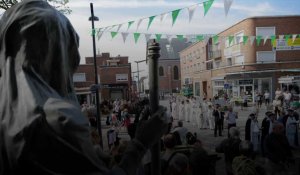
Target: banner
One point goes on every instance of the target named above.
(175, 15)
(150, 21)
(136, 37)
(227, 5)
(207, 6)
(281, 44)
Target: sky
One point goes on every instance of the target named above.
(111, 12)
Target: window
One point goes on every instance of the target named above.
(209, 65)
(217, 64)
(79, 77)
(197, 88)
(229, 61)
(239, 37)
(240, 59)
(265, 31)
(176, 73)
(161, 71)
(266, 56)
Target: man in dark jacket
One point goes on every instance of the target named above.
(230, 148)
(219, 117)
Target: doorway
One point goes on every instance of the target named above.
(248, 90)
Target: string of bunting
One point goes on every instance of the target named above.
(291, 38)
(174, 14)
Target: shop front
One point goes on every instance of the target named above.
(291, 84)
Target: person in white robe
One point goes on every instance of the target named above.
(181, 110)
(254, 134)
(174, 110)
(291, 130)
(187, 110)
(211, 121)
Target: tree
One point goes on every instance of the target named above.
(60, 5)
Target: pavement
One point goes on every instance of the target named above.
(205, 135)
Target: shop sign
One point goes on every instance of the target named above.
(281, 44)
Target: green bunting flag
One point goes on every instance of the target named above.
(136, 36)
(258, 40)
(273, 40)
(175, 15)
(200, 37)
(245, 39)
(207, 6)
(150, 21)
(230, 38)
(287, 37)
(158, 37)
(215, 39)
(129, 24)
(180, 37)
(113, 34)
(93, 32)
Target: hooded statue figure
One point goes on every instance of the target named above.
(42, 129)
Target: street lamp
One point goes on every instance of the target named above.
(98, 117)
(138, 75)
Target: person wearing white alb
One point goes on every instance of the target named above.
(203, 116)
(194, 111)
(187, 110)
(287, 98)
(174, 111)
(181, 110)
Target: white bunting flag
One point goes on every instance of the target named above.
(252, 38)
(124, 36)
(147, 36)
(169, 37)
(191, 11)
(119, 26)
(139, 23)
(294, 37)
(266, 38)
(163, 16)
(206, 39)
(227, 5)
(281, 37)
(99, 35)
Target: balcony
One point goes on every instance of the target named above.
(215, 54)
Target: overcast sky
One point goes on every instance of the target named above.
(111, 12)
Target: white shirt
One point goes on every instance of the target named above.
(287, 96)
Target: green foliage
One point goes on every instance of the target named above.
(60, 5)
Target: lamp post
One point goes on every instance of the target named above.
(98, 117)
(138, 76)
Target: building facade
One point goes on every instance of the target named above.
(169, 65)
(114, 77)
(238, 68)
(195, 70)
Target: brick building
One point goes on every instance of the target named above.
(238, 69)
(195, 70)
(114, 76)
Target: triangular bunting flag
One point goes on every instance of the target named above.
(129, 24)
(207, 5)
(163, 16)
(190, 38)
(252, 38)
(273, 40)
(238, 39)
(281, 37)
(206, 39)
(120, 25)
(124, 36)
(113, 34)
(99, 35)
(294, 37)
(215, 39)
(245, 39)
(175, 15)
(287, 37)
(180, 37)
(136, 36)
(147, 37)
(265, 39)
(150, 21)
(200, 37)
(169, 37)
(138, 24)
(158, 36)
(227, 5)
(230, 39)
(258, 39)
(191, 11)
